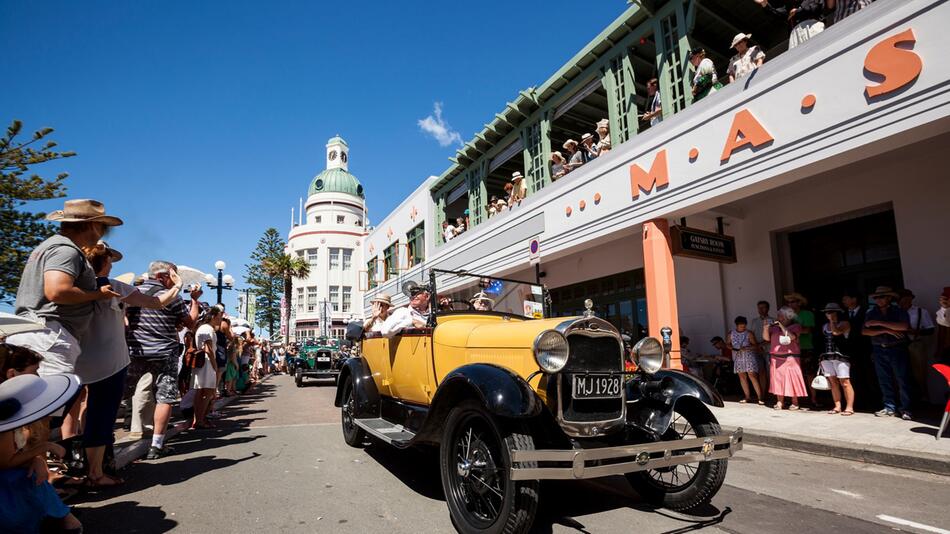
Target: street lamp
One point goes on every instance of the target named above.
(225, 281)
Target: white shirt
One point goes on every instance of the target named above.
(919, 318)
(104, 350)
(943, 318)
(449, 232)
(205, 333)
(402, 318)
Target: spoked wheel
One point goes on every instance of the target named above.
(353, 435)
(475, 461)
(687, 486)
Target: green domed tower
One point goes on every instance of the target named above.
(336, 178)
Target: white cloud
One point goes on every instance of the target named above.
(440, 130)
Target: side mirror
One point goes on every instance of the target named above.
(354, 331)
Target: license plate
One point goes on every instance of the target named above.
(323, 358)
(596, 387)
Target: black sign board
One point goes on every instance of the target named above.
(703, 245)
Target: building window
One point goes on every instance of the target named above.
(335, 298)
(339, 219)
(299, 300)
(371, 273)
(317, 219)
(391, 260)
(311, 299)
(347, 259)
(334, 259)
(416, 245)
(313, 257)
(347, 298)
(359, 222)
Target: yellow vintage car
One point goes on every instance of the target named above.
(512, 396)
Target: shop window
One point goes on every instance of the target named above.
(416, 246)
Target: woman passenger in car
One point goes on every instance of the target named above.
(382, 303)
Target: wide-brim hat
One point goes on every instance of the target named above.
(796, 296)
(116, 255)
(832, 307)
(382, 298)
(695, 52)
(556, 153)
(587, 137)
(569, 142)
(84, 210)
(25, 399)
(481, 295)
(739, 38)
(884, 291)
(14, 324)
(516, 176)
(603, 123)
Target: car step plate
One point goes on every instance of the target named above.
(385, 430)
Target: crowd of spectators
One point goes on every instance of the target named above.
(882, 352)
(141, 344)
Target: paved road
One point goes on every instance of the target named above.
(278, 464)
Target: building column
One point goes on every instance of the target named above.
(660, 281)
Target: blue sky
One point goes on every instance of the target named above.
(202, 123)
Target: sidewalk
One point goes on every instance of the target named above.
(862, 437)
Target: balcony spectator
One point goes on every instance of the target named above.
(835, 360)
(804, 17)
(747, 58)
(588, 147)
(575, 157)
(468, 222)
(509, 193)
(920, 336)
(460, 226)
(603, 134)
(888, 325)
(654, 113)
(448, 231)
(558, 166)
(745, 359)
(520, 187)
(705, 81)
(785, 374)
(844, 8)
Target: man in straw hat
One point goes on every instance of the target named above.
(482, 302)
(588, 147)
(887, 325)
(575, 158)
(58, 288)
(747, 58)
(381, 304)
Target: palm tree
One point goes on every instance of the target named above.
(287, 268)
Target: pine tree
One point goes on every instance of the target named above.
(22, 230)
(268, 287)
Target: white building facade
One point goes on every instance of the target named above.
(329, 235)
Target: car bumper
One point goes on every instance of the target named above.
(322, 372)
(589, 463)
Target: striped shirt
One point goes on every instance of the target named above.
(843, 8)
(153, 333)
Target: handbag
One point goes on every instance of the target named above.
(194, 359)
(820, 382)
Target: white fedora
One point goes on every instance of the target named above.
(28, 398)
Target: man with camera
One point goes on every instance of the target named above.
(152, 336)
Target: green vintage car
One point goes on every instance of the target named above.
(318, 358)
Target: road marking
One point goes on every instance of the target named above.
(848, 493)
(912, 524)
(255, 427)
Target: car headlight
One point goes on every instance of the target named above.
(649, 355)
(551, 351)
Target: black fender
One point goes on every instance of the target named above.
(364, 388)
(501, 391)
(652, 410)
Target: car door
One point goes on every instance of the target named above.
(411, 366)
(378, 356)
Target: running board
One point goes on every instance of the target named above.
(382, 429)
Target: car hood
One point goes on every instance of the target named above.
(482, 332)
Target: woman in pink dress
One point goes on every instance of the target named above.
(786, 371)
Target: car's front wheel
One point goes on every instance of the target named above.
(688, 486)
(353, 435)
(298, 377)
(475, 461)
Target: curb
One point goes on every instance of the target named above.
(871, 454)
(131, 451)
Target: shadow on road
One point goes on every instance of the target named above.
(125, 516)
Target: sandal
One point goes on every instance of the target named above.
(105, 481)
(835, 411)
(794, 407)
(761, 403)
(778, 407)
(847, 413)
(744, 401)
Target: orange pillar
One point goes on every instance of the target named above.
(661, 283)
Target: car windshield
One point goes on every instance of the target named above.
(489, 294)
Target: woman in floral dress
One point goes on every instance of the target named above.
(745, 360)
